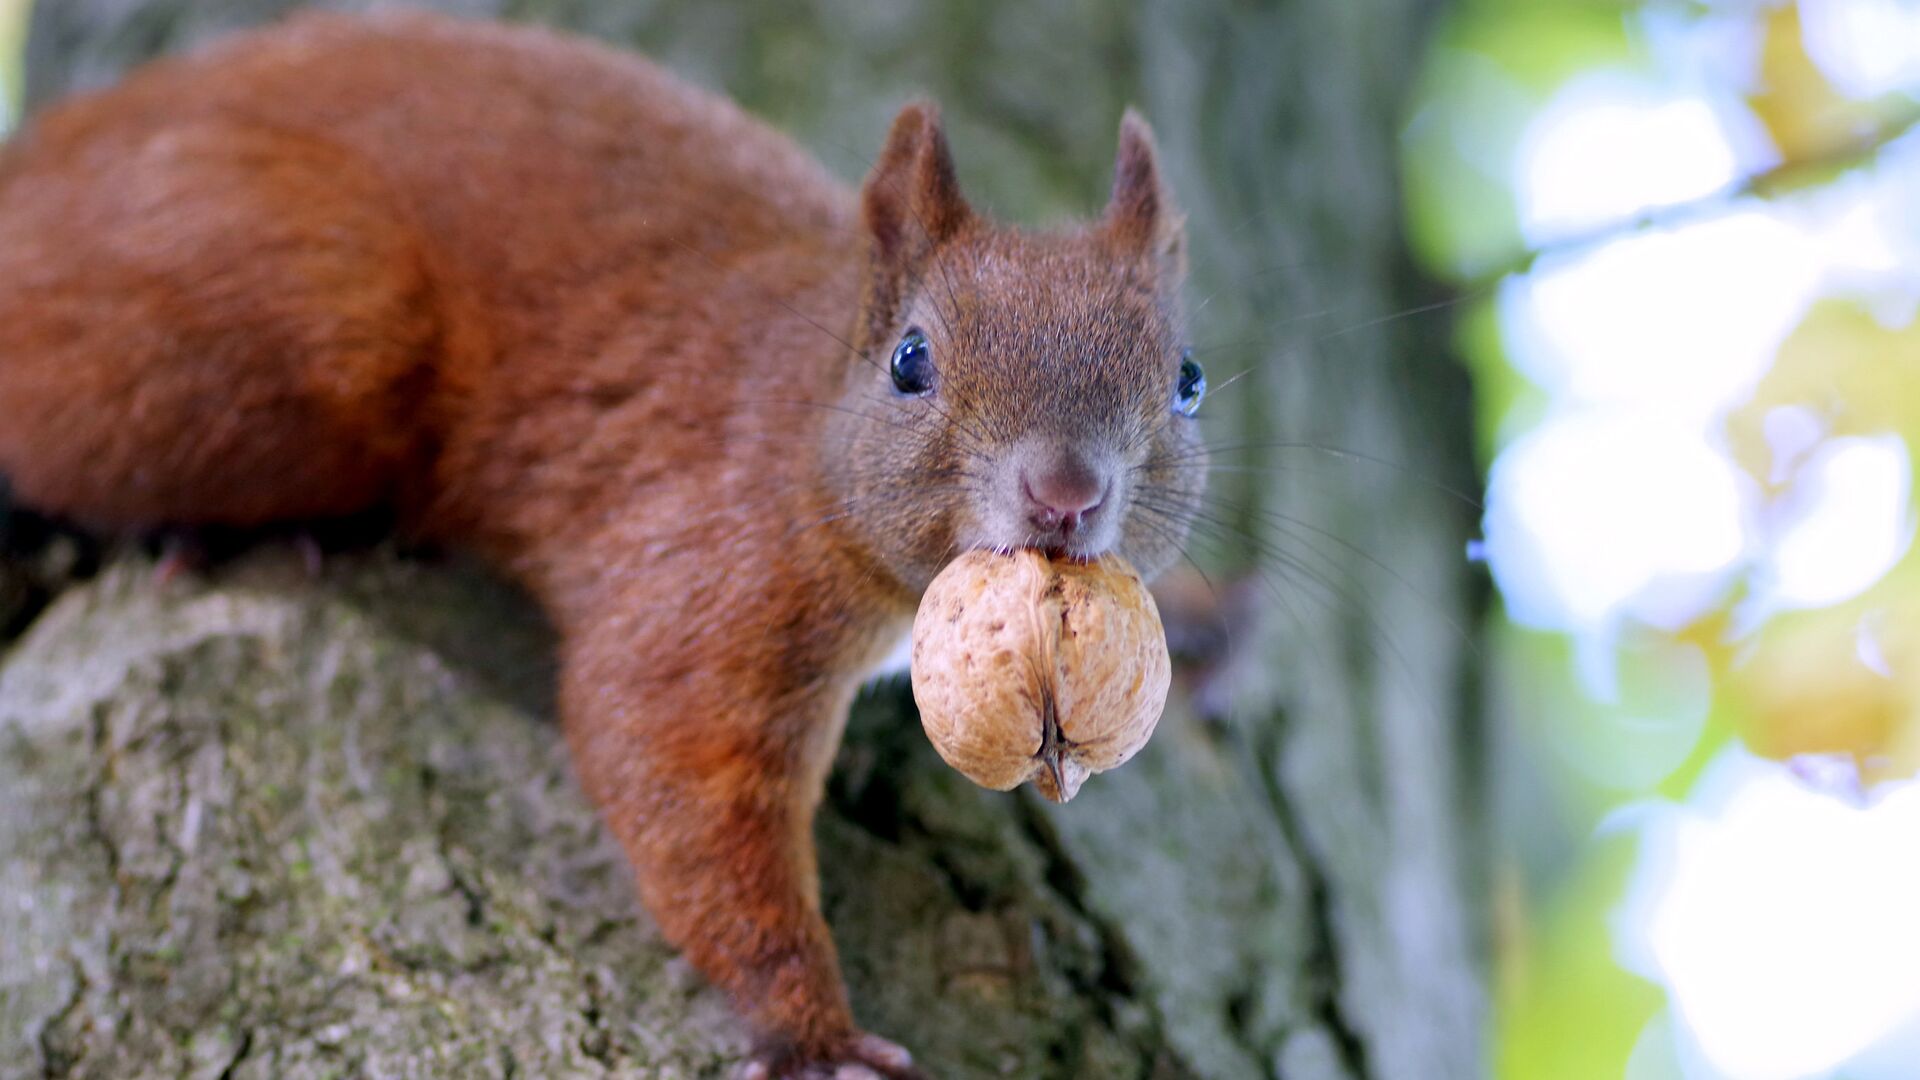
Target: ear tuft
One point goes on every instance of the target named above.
(1141, 213)
(911, 201)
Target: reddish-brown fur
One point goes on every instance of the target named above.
(550, 304)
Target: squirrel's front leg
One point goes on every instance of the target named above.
(709, 775)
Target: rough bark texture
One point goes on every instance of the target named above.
(262, 825)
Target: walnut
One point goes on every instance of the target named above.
(1027, 668)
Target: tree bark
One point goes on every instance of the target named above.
(265, 825)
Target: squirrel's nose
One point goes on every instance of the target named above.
(1062, 493)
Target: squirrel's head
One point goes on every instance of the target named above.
(1023, 389)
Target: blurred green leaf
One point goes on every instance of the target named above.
(1567, 1009)
(13, 47)
(1494, 64)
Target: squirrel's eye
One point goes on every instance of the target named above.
(912, 367)
(1191, 388)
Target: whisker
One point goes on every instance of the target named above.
(1437, 305)
(1272, 588)
(1308, 583)
(1352, 456)
(1288, 522)
(1321, 576)
(1231, 379)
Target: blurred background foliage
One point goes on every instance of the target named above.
(13, 34)
(1687, 237)
(1686, 242)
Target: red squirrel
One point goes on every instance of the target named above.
(723, 417)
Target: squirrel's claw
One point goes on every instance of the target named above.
(867, 1057)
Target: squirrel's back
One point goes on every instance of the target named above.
(263, 281)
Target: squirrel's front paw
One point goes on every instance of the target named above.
(863, 1057)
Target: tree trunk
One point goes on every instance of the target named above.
(268, 825)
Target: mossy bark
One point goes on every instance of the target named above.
(263, 824)
(267, 826)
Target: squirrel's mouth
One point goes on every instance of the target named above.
(1056, 549)
(1085, 543)
(1076, 553)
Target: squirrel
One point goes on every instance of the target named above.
(722, 416)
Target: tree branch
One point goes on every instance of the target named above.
(1788, 176)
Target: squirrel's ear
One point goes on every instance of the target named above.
(1141, 213)
(911, 201)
